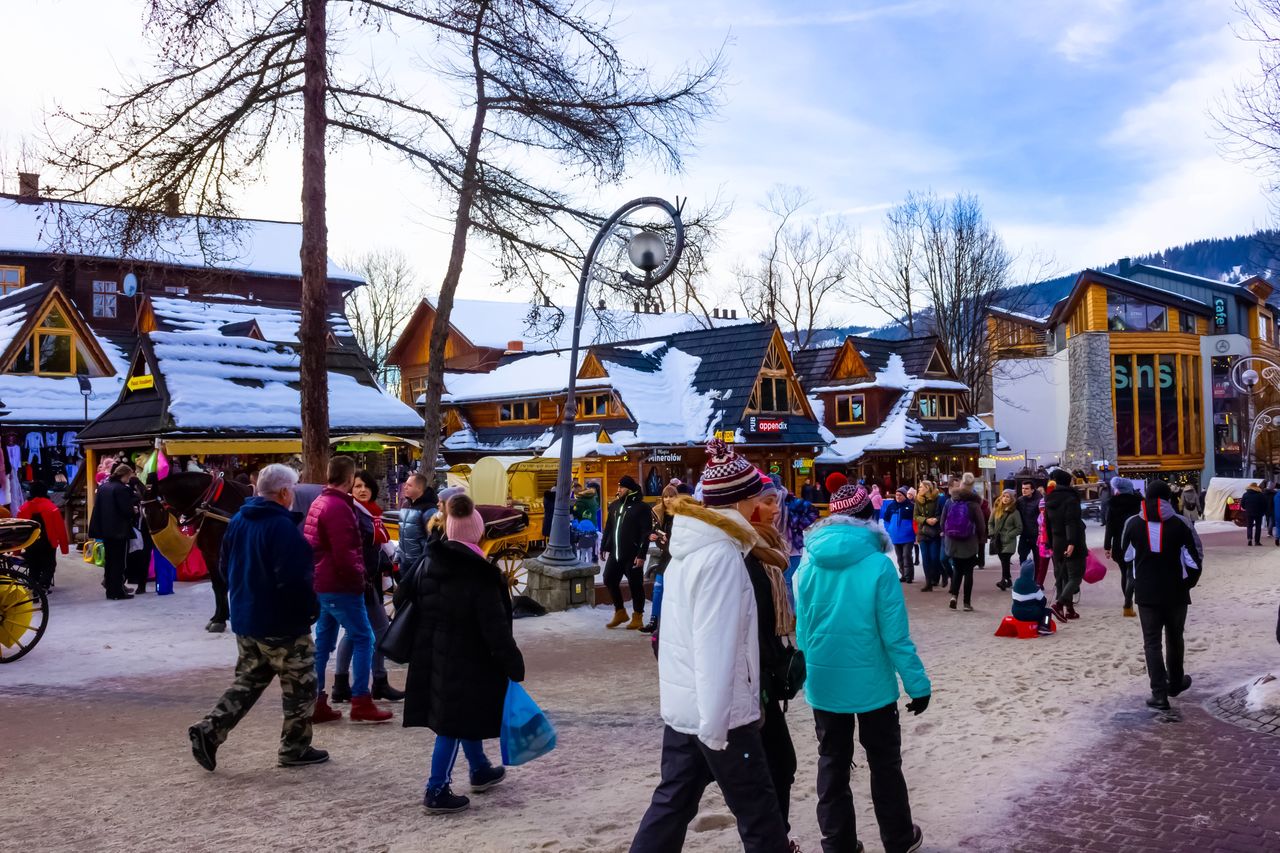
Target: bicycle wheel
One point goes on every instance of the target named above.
(24, 614)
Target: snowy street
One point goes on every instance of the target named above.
(96, 754)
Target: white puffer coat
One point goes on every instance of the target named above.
(708, 648)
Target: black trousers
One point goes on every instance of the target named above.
(963, 573)
(780, 752)
(1126, 581)
(613, 574)
(1026, 544)
(742, 773)
(1254, 528)
(1164, 665)
(1005, 570)
(906, 560)
(881, 739)
(115, 559)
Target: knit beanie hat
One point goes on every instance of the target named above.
(768, 486)
(445, 494)
(629, 483)
(728, 478)
(902, 490)
(848, 500)
(835, 481)
(469, 529)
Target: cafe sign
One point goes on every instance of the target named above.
(757, 425)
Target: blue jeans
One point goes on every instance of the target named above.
(656, 610)
(378, 623)
(931, 558)
(446, 753)
(793, 563)
(345, 610)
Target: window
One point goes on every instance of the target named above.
(1127, 314)
(773, 389)
(515, 412)
(11, 278)
(1264, 327)
(1157, 404)
(1188, 322)
(937, 406)
(104, 299)
(417, 387)
(850, 409)
(594, 405)
(175, 290)
(52, 350)
(773, 394)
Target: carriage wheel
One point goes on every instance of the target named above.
(510, 560)
(24, 613)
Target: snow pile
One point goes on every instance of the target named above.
(533, 376)
(180, 314)
(242, 384)
(1264, 696)
(665, 405)
(246, 245)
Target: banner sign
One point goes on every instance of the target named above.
(142, 380)
(767, 426)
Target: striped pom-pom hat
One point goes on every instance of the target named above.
(849, 500)
(728, 478)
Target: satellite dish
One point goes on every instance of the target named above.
(130, 285)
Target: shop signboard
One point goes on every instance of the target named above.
(725, 435)
(1219, 312)
(141, 381)
(663, 456)
(802, 464)
(987, 462)
(757, 425)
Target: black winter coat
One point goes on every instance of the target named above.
(626, 532)
(114, 514)
(1158, 575)
(1254, 502)
(664, 543)
(463, 650)
(771, 647)
(1064, 522)
(1029, 509)
(1123, 507)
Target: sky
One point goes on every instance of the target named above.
(1084, 127)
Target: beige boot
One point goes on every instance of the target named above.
(619, 616)
(637, 621)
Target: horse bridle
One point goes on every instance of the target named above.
(204, 507)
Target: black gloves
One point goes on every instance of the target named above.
(917, 706)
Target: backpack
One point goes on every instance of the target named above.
(958, 522)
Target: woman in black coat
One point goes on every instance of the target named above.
(1125, 503)
(463, 654)
(115, 511)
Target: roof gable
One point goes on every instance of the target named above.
(848, 363)
(48, 300)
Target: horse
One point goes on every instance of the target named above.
(208, 501)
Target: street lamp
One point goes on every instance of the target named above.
(1247, 378)
(650, 254)
(86, 390)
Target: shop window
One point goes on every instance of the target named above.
(528, 410)
(1188, 322)
(594, 405)
(1127, 314)
(1157, 404)
(11, 278)
(53, 350)
(104, 299)
(851, 409)
(937, 406)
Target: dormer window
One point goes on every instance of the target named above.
(521, 412)
(941, 407)
(594, 405)
(53, 350)
(773, 394)
(851, 409)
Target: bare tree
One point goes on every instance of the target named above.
(541, 80)
(379, 310)
(886, 276)
(805, 265)
(1250, 120)
(687, 290)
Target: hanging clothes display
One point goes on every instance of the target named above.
(34, 443)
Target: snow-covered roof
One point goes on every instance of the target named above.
(1018, 315)
(246, 385)
(184, 314)
(494, 324)
(531, 376)
(244, 245)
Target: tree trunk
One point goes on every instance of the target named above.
(313, 331)
(432, 412)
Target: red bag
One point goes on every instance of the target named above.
(1094, 569)
(193, 568)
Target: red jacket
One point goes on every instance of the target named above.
(334, 534)
(49, 516)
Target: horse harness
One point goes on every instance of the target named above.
(204, 507)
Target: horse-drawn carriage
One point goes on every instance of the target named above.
(24, 607)
(508, 539)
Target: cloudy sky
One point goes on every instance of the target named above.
(1082, 125)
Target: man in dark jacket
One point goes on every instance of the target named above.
(115, 514)
(625, 540)
(1065, 527)
(420, 503)
(1167, 564)
(1254, 504)
(269, 578)
(1125, 504)
(338, 550)
(1028, 505)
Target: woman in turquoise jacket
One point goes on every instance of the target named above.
(851, 624)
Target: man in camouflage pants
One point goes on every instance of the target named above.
(269, 580)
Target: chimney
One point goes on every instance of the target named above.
(170, 204)
(715, 313)
(635, 307)
(28, 185)
(733, 315)
(600, 305)
(515, 346)
(1124, 264)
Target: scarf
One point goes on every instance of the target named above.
(771, 551)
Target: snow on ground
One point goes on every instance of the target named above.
(104, 701)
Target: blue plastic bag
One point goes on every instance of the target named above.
(164, 573)
(526, 731)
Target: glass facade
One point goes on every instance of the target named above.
(1127, 314)
(1156, 404)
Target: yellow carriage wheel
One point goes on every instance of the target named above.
(23, 612)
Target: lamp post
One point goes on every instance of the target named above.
(650, 254)
(1248, 374)
(86, 390)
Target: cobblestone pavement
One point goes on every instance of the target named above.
(1182, 780)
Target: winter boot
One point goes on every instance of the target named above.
(619, 617)
(444, 801)
(1159, 701)
(203, 748)
(307, 757)
(637, 621)
(382, 689)
(341, 687)
(1071, 612)
(952, 605)
(323, 713)
(1181, 688)
(486, 778)
(917, 839)
(364, 711)
(650, 627)
(1059, 612)
(1129, 611)
(928, 587)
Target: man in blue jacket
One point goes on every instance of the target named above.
(269, 577)
(851, 624)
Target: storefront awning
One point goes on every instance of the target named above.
(372, 437)
(199, 446)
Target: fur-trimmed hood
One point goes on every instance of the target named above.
(696, 525)
(838, 541)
